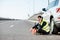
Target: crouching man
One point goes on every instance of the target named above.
(41, 27)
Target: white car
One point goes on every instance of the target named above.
(53, 18)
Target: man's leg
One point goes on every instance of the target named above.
(42, 31)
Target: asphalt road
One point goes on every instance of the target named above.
(19, 30)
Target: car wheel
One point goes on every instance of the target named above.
(51, 26)
(55, 30)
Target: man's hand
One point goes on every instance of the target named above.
(33, 31)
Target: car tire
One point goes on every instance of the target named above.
(55, 30)
(51, 26)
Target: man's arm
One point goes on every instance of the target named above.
(41, 26)
(35, 26)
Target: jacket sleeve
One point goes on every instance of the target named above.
(41, 26)
(35, 26)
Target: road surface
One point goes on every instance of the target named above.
(19, 30)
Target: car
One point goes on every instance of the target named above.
(53, 18)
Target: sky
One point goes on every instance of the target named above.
(20, 9)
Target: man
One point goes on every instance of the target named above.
(41, 26)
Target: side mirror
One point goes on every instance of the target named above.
(44, 9)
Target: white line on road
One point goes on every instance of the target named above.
(11, 25)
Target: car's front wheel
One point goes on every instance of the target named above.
(55, 30)
(51, 26)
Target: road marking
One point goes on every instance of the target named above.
(12, 26)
